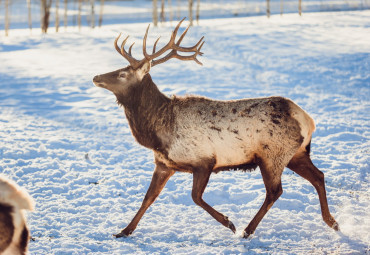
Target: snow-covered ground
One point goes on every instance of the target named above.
(69, 144)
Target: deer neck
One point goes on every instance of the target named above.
(148, 113)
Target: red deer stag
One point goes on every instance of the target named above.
(203, 136)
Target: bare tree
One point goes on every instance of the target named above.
(268, 8)
(45, 14)
(170, 9)
(7, 21)
(155, 13)
(281, 7)
(191, 12)
(29, 14)
(162, 11)
(92, 13)
(57, 16)
(101, 12)
(178, 9)
(198, 9)
(79, 14)
(65, 14)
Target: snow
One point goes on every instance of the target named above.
(68, 143)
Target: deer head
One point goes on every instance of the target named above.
(120, 81)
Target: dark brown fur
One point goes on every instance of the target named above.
(148, 111)
(6, 226)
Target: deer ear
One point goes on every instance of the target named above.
(143, 70)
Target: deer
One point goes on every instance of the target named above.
(14, 233)
(201, 136)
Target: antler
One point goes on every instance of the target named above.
(133, 62)
(174, 47)
(171, 45)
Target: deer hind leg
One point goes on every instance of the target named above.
(302, 165)
(200, 180)
(160, 177)
(272, 181)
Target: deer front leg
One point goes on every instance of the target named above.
(160, 177)
(200, 180)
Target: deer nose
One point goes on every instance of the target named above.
(96, 78)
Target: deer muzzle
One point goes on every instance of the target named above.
(98, 81)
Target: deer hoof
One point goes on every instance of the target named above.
(123, 234)
(247, 235)
(231, 226)
(335, 226)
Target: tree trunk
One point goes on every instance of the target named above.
(155, 13)
(178, 9)
(45, 9)
(7, 22)
(92, 13)
(191, 12)
(79, 14)
(162, 11)
(29, 14)
(57, 16)
(300, 7)
(268, 8)
(101, 12)
(65, 14)
(170, 9)
(281, 7)
(198, 10)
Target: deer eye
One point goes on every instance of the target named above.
(122, 75)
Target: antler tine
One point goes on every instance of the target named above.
(129, 50)
(155, 45)
(116, 45)
(187, 49)
(174, 54)
(121, 50)
(167, 47)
